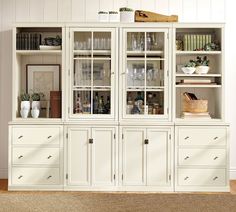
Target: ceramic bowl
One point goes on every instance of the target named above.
(188, 70)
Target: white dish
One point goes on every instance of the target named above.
(202, 69)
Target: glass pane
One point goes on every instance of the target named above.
(155, 41)
(135, 41)
(155, 73)
(82, 40)
(82, 72)
(102, 73)
(135, 102)
(155, 102)
(82, 102)
(102, 41)
(135, 73)
(101, 102)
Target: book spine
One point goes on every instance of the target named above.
(185, 43)
(200, 42)
(17, 41)
(197, 42)
(189, 43)
(207, 40)
(203, 41)
(194, 42)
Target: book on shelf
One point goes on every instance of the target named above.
(196, 81)
(28, 41)
(185, 43)
(55, 104)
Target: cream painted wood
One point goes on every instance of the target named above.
(202, 157)
(103, 156)
(35, 135)
(202, 136)
(35, 156)
(158, 157)
(201, 177)
(133, 156)
(79, 156)
(35, 176)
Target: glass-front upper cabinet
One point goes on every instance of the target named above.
(145, 73)
(92, 77)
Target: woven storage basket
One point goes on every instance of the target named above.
(195, 106)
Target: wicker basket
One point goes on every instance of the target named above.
(195, 106)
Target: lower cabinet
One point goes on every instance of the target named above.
(91, 157)
(146, 155)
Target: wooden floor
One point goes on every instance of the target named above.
(3, 186)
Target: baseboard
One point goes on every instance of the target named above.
(232, 173)
(3, 174)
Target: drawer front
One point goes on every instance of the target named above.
(33, 135)
(202, 157)
(201, 177)
(202, 136)
(35, 156)
(35, 176)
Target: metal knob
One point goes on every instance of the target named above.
(49, 156)
(187, 157)
(215, 178)
(20, 177)
(146, 141)
(91, 141)
(186, 178)
(21, 156)
(187, 137)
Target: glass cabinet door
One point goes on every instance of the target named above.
(145, 75)
(92, 78)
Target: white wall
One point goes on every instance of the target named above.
(12, 11)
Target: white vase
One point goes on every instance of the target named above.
(127, 16)
(202, 69)
(36, 105)
(24, 113)
(35, 113)
(103, 17)
(114, 17)
(25, 105)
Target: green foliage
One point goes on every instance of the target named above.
(102, 12)
(202, 61)
(24, 97)
(191, 63)
(113, 12)
(36, 96)
(126, 9)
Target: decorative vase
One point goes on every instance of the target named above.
(103, 17)
(36, 105)
(127, 16)
(24, 113)
(25, 105)
(114, 17)
(202, 69)
(35, 113)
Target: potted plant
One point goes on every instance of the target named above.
(190, 67)
(114, 16)
(202, 65)
(25, 105)
(126, 14)
(103, 16)
(36, 97)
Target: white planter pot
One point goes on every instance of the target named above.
(36, 105)
(35, 113)
(202, 69)
(188, 70)
(114, 17)
(127, 16)
(24, 113)
(103, 17)
(25, 105)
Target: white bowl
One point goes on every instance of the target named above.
(202, 69)
(188, 70)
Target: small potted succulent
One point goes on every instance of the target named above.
(36, 97)
(114, 16)
(202, 65)
(103, 16)
(126, 14)
(189, 67)
(25, 105)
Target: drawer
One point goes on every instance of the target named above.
(35, 176)
(202, 136)
(202, 157)
(35, 156)
(33, 135)
(201, 177)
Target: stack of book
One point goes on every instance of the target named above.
(196, 81)
(28, 41)
(188, 115)
(194, 42)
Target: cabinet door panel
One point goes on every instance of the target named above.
(103, 156)
(157, 157)
(133, 151)
(79, 156)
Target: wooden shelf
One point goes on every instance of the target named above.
(198, 86)
(198, 52)
(38, 52)
(197, 75)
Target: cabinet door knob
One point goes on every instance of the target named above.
(215, 178)
(49, 136)
(49, 156)
(215, 158)
(49, 177)
(21, 156)
(187, 137)
(20, 177)
(187, 157)
(112, 72)
(216, 138)
(146, 141)
(91, 141)
(20, 137)
(186, 178)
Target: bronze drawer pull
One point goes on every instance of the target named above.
(187, 137)
(216, 138)
(91, 141)
(49, 136)
(186, 178)
(20, 177)
(49, 156)
(146, 141)
(215, 158)
(187, 157)
(49, 177)
(21, 156)
(20, 137)
(215, 178)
